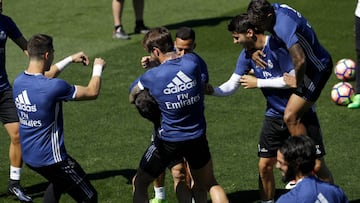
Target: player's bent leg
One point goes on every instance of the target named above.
(322, 171)
(159, 189)
(181, 186)
(205, 178)
(266, 178)
(294, 110)
(141, 182)
(160, 181)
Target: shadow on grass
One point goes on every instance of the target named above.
(37, 190)
(197, 23)
(247, 196)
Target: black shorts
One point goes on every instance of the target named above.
(313, 130)
(162, 154)
(155, 139)
(68, 177)
(8, 112)
(274, 132)
(313, 83)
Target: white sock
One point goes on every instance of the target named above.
(159, 192)
(15, 173)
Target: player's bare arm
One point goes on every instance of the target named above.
(92, 90)
(256, 57)
(299, 61)
(55, 70)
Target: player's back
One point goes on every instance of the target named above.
(38, 102)
(291, 27)
(178, 91)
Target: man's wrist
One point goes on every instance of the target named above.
(97, 70)
(61, 65)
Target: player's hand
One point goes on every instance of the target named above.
(256, 57)
(208, 89)
(248, 81)
(290, 80)
(100, 61)
(80, 57)
(148, 62)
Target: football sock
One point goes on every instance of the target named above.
(159, 192)
(116, 27)
(15, 173)
(139, 23)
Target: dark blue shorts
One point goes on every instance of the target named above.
(68, 177)
(313, 83)
(274, 133)
(162, 154)
(8, 112)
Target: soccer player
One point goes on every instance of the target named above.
(312, 62)
(275, 87)
(38, 98)
(296, 160)
(117, 11)
(8, 115)
(184, 43)
(356, 99)
(178, 90)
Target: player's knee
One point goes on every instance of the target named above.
(178, 173)
(265, 167)
(15, 138)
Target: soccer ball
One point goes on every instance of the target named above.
(342, 93)
(345, 69)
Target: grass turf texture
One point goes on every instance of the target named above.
(107, 136)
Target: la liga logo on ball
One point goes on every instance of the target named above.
(345, 69)
(342, 93)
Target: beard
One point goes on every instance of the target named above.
(290, 174)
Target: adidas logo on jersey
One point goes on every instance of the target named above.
(179, 83)
(23, 103)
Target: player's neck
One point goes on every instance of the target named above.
(167, 56)
(261, 42)
(35, 67)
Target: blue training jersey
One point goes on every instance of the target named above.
(38, 101)
(311, 190)
(290, 28)
(177, 87)
(202, 65)
(7, 29)
(278, 62)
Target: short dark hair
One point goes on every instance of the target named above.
(259, 11)
(300, 153)
(39, 44)
(240, 24)
(160, 38)
(185, 33)
(148, 107)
